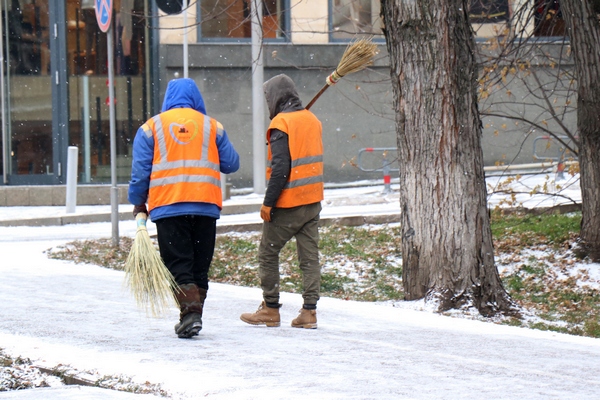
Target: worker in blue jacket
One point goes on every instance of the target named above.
(178, 158)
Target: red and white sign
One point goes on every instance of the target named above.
(103, 13)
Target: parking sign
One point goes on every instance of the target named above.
(103, 13)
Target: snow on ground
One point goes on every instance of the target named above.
(82, 316)
(534, 190)
(59, 313)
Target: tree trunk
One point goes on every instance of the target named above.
(447, 250)
(583, 30)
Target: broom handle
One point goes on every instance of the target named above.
(323, 89)
(331, 80)
(141, 220)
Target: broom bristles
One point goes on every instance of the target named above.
(357, 56)
(147, 277)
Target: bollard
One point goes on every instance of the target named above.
(71, 200)
(387, 178)
(224, 191)
(560, 169)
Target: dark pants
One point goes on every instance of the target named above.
(299, 222)
(187, 244)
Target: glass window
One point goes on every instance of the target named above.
(231, 19)
(488, 11)
(89, 112)
(28, 87)
(489, 18)
(350, 18)
(548, 19)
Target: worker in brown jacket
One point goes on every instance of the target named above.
(292, 201)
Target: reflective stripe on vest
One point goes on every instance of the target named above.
(305, 183)
(184, 169)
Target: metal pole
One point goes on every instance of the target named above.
(3, 112)
(185, 39)
(114, 192)
(258, 119)
(71, 200)
(86, 128)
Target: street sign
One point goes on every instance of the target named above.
(103, 13)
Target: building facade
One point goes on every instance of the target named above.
(54, 79)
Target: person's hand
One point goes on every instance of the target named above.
(140, 209)
(265, 213)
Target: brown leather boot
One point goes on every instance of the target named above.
(191, 303)
(307, 319)
(263, 316)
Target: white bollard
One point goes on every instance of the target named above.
(224, 191)
(71, 200)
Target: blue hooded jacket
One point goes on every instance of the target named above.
(180, 93)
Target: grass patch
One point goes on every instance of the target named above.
(523, 229)
(358, 263)
(544, 280)
(98, 252)
(560, 303)
(236, 260)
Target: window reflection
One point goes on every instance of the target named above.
(548, 18)
(488, 11)
(489, 18)
(352, 17)
(86, 43)
(231, 18)
(89, 122)
(28, 87)
(27, 24)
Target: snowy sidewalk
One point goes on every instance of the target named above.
(356, 204)
(57, 312)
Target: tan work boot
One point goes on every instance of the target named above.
(307, 319)
(263, 316)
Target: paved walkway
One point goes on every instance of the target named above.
(61, 313)
(56, 312)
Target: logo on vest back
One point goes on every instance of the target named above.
(183, 131)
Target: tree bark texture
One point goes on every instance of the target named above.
(447, 250)
(583, 30)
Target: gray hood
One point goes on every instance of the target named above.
(281, 95)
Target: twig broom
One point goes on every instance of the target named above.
(146, 275)
(357, 56)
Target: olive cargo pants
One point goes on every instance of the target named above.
(300, 222)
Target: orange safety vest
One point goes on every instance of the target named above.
(185, 167)
(305, 183)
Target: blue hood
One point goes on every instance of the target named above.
(183, 93)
